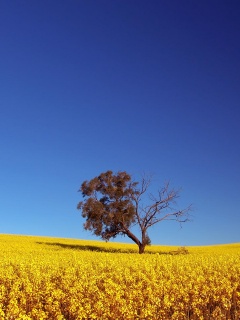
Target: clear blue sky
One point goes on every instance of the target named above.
(142, 86)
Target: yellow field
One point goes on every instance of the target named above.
(49, 278)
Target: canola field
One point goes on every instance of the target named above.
(50, 278)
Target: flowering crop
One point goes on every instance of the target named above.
(49, 278)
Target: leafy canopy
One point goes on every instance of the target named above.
(109, 206)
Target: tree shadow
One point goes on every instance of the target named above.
(88, 247)
(110, 249)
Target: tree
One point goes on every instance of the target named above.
(113, 204)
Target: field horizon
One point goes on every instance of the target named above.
(118, 243)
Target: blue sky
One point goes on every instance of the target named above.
(142, 86)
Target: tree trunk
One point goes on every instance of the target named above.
(141, 247)
(142, 244)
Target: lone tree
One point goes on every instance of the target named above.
(113, 204)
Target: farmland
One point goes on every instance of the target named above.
(51, 278)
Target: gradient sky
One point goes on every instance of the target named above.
(142, 86)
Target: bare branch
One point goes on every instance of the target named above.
(157, 211)
(174, 216)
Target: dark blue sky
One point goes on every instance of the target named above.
(141, 86)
